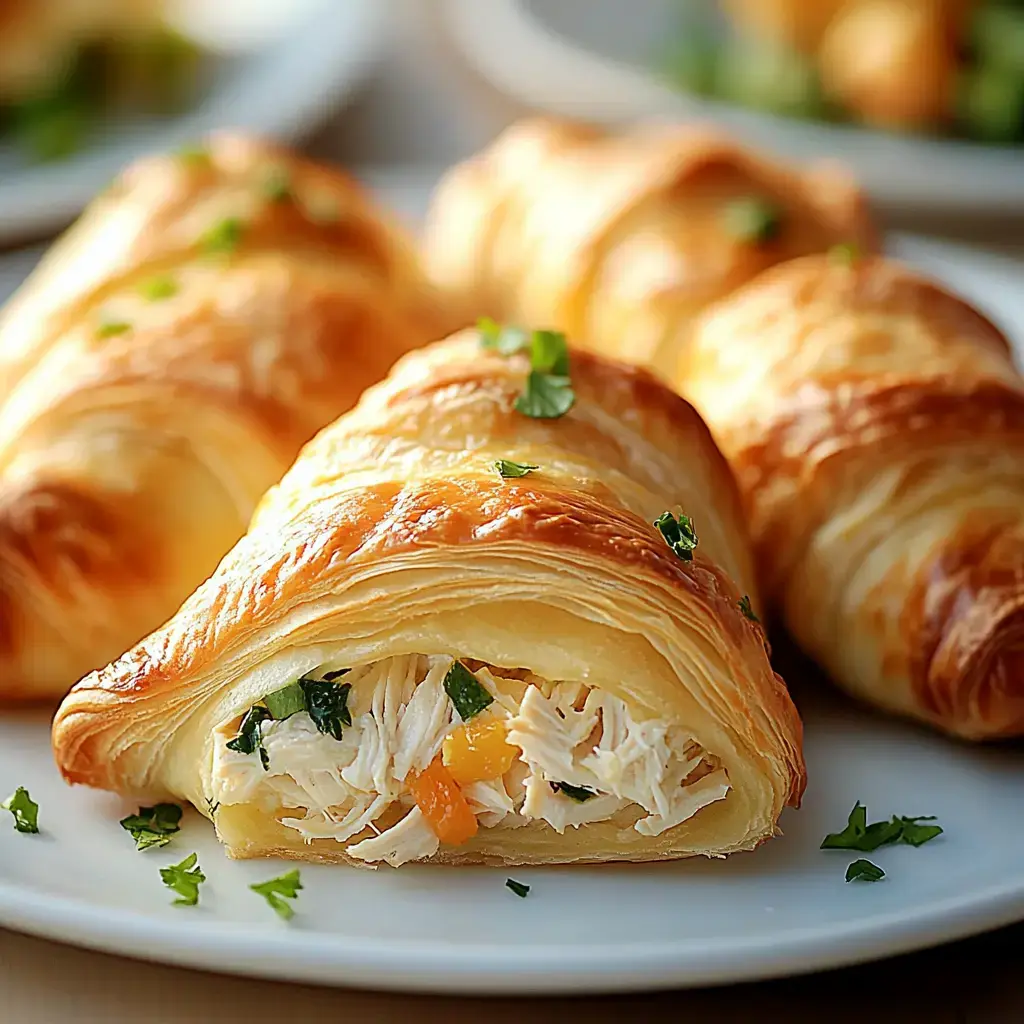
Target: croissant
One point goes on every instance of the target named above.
(452, 634)
(875, 423)
(621, 241)
(162, 367)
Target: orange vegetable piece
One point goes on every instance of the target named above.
(441, 802)
(478, 750)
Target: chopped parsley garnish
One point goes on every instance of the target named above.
(222, 237)
(184, 879)
(519, 888)
(276, 890)
(466, 693)
(748, 611)
(578, 793)
(112, 328)
(195, 156)
(546, 396)
(327, 704)
(249, 738)
(156, 288)
(751, 219)
(287, 701)
(864, 871)
(678, 534)
(845, 253)
(548, 393)
(504, 340)
(277, 185)
(24, 809)
(859, 835)
(153, 826)
(509, 470)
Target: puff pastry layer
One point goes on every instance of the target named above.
(621, 241)
(392, 548)
(163, 366)
(875, 423)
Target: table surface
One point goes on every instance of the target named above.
(422, 106)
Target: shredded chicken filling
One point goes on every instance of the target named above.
(580, 757)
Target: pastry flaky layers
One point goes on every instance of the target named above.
(616, 701)
(875, 423)
(621, 240)
(207, 315)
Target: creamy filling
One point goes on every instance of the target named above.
(580, 757)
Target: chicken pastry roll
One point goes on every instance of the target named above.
(622, 240)
(453, 634)
(163, 366)
(873, 421)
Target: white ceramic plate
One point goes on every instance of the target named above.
(781, 910)
(281, 88)
(592, 59)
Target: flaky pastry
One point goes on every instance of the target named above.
(414, 656)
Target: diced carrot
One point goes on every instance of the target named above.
(478, 750)
(441, 802)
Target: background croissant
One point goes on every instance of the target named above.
(161, 369)
(621, 241)
(875, 423)
(393, 536)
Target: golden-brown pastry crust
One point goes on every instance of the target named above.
(622, 240)
(393, 534)
(874, 422)
(161, 368)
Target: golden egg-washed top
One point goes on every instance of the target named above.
(622, 240)
(161, 368)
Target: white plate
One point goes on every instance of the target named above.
(591, 59)
(282, 89)
(781, 910)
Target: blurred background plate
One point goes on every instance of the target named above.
(596, 60)
(278, 75)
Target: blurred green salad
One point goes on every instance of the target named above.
(147, 73)
(949, 67)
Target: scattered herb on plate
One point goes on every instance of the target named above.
(24, 809)
(276, 890)
(864, 871)
(184, 878)
(859, 835)
(153, 826)
(519, 888)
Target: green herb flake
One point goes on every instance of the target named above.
(549, 353)
(509, 470)
(519, 888)
(578, 793)
(466, 693)
(250, 738)
(112, 328)
(753, 220)
(745, 607)
(678, 533)
(277, 185)
(184, 879)
(859, 835)
(153, 826)
(844, 254)
(287, 701)
(24, 809)
(276, 890)
(327, 704)
(505, 340)
(223, 237)
(546, 396)
(158, 288)
(864, 871)
(195, 156)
